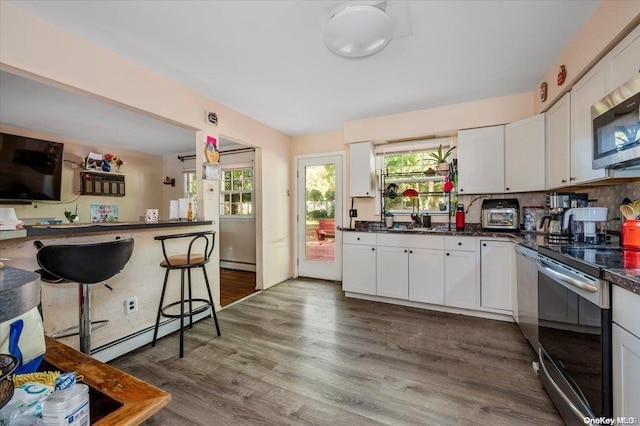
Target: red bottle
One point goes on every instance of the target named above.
(460, 217)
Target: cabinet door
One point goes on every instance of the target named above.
(586, 92)
(359, 268)
(557, 143)
(362, 175)
(624, 60)
(496, 274)
(460, 282)
(481, 160)
(426, 276)
(524, 155)
(392, 272)
(626, 373)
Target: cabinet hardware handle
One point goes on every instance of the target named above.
(564, 181)
(410, 251)
(572, 178)
(405, 251)
(358, 238)
(373, 249)
(507, 188)
(459, 243)
(461, 190)
(484, 244)
(447, 254)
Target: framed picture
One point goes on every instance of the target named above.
(93, 161)
(101, 213)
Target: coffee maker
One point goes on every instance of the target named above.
(557, 203)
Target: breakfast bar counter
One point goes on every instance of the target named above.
(116, 398)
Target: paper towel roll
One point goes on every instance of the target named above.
(183, 207)
(174, 209)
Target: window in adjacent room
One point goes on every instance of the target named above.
(190, 184)
(236, 195)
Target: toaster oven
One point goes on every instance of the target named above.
(501, 215)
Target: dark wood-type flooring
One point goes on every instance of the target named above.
(302, 353)
(234, 285)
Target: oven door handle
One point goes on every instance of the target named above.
(549, 270)
(581, 415)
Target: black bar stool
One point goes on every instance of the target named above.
(197, 256)
(84, 264)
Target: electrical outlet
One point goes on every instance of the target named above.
(131, 305)
(353, 212)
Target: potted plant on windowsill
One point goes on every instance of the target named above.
(440, 157)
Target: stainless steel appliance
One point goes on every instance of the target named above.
(574, 330)
(527, 286)
(501, 215)
(616, 127)
(557, 203)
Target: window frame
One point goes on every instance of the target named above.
(231, 168)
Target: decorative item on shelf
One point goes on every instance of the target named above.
(440, 157)
(112, 158)
(93, 161)
(103, 213)
(562, 75)
(72, 217)
(543, 91)
(169, 181)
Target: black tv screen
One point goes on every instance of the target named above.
(30, 169)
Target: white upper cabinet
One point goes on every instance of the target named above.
(586, 92)
(481, 160)
(362, 170)
(623, 62)
(558, 132)
(524, 155)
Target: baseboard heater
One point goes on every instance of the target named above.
(126, 344)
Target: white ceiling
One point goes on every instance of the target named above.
(267, 59)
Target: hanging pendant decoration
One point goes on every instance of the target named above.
(562, 75)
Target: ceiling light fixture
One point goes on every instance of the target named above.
(358, 31)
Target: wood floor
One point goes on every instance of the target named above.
(301, 353)
(234, 285)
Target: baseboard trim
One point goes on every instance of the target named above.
(126, 344)
(240, 266)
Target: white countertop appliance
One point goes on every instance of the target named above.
(501, 215)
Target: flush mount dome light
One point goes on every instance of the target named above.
(358, 31)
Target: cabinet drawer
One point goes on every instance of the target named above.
(411, 241)
(626, 309)
(367, 238)
(460, 243)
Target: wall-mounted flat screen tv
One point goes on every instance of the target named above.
(30, 169)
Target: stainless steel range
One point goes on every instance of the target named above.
(574, 329)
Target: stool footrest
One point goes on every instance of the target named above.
(95, 325)
(206, 305)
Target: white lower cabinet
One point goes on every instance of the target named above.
(626, 353)
(496, 274)
(359, 262)
(392, 271)
(461, 272)
(426, 276)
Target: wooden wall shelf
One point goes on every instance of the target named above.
(100, 183)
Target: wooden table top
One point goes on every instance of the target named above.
(139, 399)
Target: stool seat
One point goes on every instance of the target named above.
(184, 261)
(198, 255)
(85, 264)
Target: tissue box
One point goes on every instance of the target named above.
(150, 215)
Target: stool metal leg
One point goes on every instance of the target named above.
(164, 288)
(181, 313)
(84, 298)
(190, 300)
(213, 307)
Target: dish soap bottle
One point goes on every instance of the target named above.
(460, 217)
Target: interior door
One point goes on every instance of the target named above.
(319, 213)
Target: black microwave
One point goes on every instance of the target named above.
(616, 127)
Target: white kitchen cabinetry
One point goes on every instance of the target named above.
(481, 160)
(461, 272)
(426, 276)
(626, 353)
(524, 155)
(586, 92)
(392, 272)
(623, 62)
(359, 262)
(496, 274)
(557, 129)
(362, 170)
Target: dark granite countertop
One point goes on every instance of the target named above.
(629, 279)
(470, 230)
(86, 228)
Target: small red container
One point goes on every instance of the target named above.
(631, 234)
